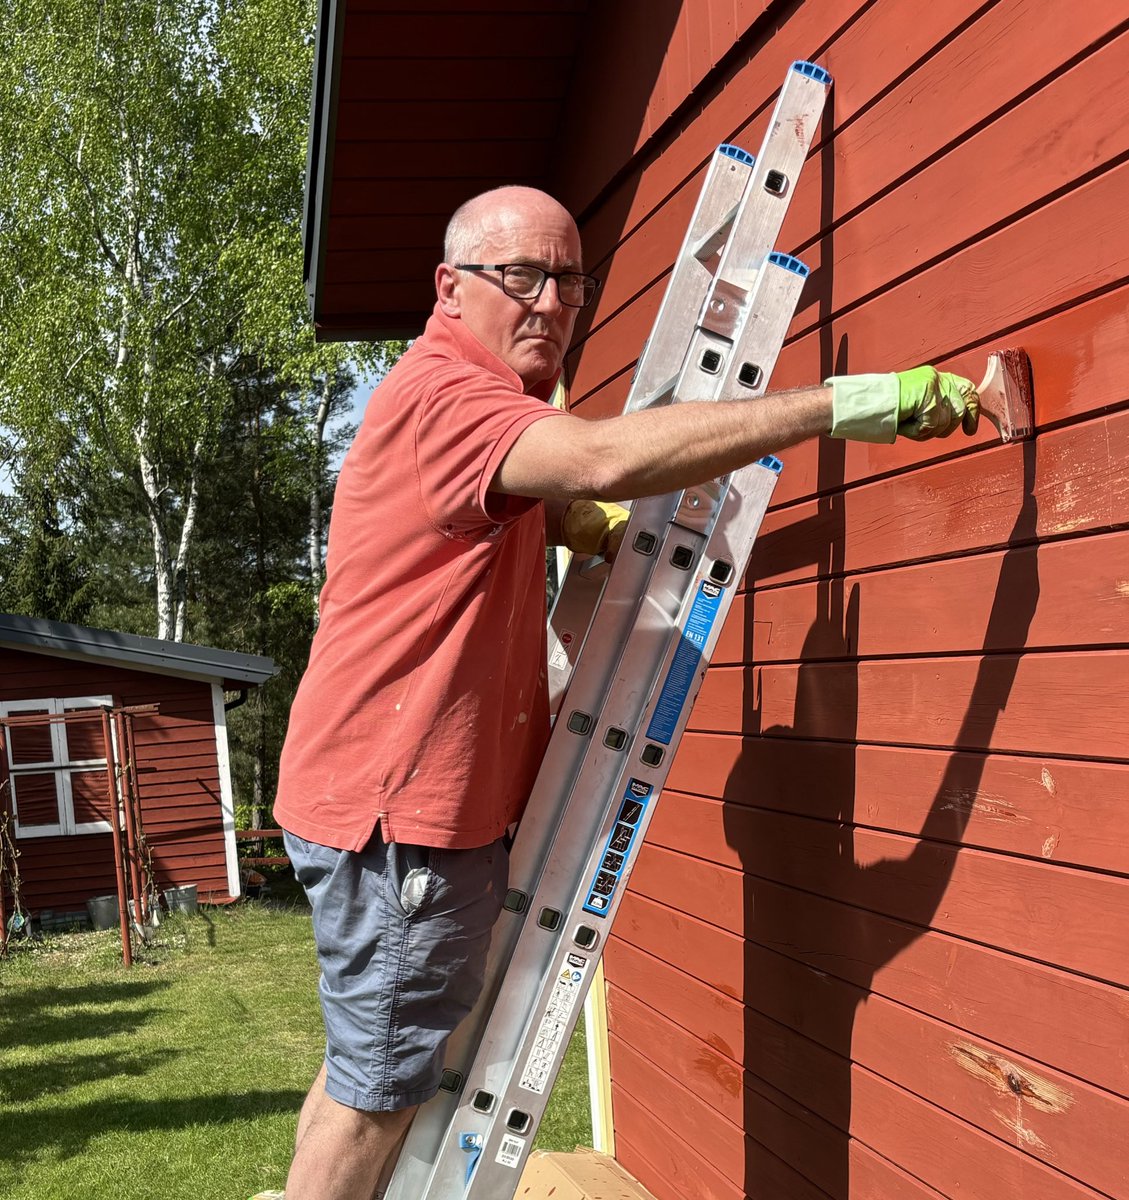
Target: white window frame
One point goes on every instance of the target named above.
(60, 765)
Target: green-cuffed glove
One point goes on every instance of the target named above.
(920, 403)
(594, 527)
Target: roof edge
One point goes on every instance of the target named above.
(319, 156)
(130, 648)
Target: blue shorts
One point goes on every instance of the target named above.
(402, 934)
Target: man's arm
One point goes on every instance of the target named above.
(658, 450)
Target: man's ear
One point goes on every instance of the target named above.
(446, 289)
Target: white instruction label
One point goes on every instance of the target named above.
(510, 1152)
(558, 652)
(568, 988)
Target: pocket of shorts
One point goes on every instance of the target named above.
(411, 875)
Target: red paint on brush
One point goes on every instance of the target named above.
(1006, 395)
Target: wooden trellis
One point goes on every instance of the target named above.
(132, 867)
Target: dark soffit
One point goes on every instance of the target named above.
(415, 109)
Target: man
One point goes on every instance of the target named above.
(419, 726)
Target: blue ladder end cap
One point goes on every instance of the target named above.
(772, 462)
(731, 151)
(812, 71)
(789, 263)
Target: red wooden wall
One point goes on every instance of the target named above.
(877, 945)
(178, 778)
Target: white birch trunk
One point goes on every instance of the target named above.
(317, 459)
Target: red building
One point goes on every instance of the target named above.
(56, 773)
(878, 942)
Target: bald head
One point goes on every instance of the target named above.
(480, 222)
(510, 226)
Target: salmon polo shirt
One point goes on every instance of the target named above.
(424, 706)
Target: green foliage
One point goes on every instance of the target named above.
(168, 422)
(151, 165)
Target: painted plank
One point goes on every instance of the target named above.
(927, 112)
(1059, 810)
(669, 1168)
(785, 955)
(357, 197)
(1040, 910)
(1073, 479)
(1080, 358)
(919, 1137)
(1067, 1123)
(381, 77)
(532, 34)
(758, 1158)
(1082, 589)
(1059, 704)
(857, 52)
(999, 282)
(982, 182)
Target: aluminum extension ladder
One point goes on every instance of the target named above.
(627, 654)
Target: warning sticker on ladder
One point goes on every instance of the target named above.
(558, 653)
(617, 849)
(558, 1013)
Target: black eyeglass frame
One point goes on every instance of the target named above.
(545, 275)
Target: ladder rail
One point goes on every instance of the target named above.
(502, 1136)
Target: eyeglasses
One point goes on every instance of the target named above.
(523, 282)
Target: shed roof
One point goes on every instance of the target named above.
(236, 671)
(416, 109)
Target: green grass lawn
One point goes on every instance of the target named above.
(182, 1076)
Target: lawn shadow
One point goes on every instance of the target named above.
(20, 1085)
(25, 1136)
(47, 1016)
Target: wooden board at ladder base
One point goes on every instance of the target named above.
(583, 1175)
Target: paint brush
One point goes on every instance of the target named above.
(1006, 394)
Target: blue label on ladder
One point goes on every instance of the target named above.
(617, 849)
(687, 660)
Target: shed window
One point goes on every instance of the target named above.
(57, 770)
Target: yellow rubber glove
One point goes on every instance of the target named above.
(594, 527)
(920, 403)
(934, 403)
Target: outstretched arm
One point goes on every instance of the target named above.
(653, 451)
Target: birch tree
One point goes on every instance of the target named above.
(151, 163)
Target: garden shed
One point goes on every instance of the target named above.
(55, 772)
(877, 944)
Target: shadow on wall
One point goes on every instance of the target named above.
(798, 1093)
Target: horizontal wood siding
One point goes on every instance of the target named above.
(177, 773)
(877, 944)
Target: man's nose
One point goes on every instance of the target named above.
(549, 301)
